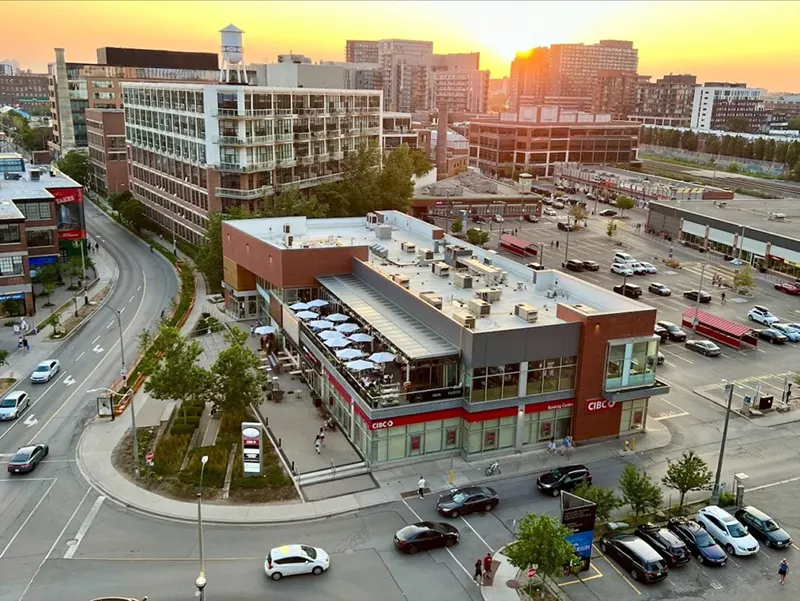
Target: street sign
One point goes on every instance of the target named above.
(148, 456)
(532, 573)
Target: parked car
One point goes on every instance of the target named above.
(531, 218)
(705, 297)
(573, 265)
(621, 269)
(660, 289)
(638, 268)
(704, 347)
(425, 535)
(565, 226)
(291, 560)
(27, 458)
(467, 500)
(563, 478)
(698, 541)
(649, 267)
(629, 290)
(666, 543)
(535, 266)
(788, 288)
(792, 334)
(476, 218)
(608, 213)
(45, 371)
(762, 315)
(591, 266)
(635, 556)
(557, 204)
(763, 527)
(621, 257)
(549, 211)
(772, 336)
(429, 219)
(661, 332)
(727, 531)
(547, 200)
(498, 218)
(673, 331)
(13, 404)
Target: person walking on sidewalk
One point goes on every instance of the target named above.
(783, 571)
(487, 568)
(252, 331)
(566, 446)
(25, 344)
(722, 296)
(321, 436)
(478, 576)
(317, 444)
(421, 487)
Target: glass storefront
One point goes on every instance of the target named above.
(542, 426)
(413, 440)
(634, 416)
(489, 435)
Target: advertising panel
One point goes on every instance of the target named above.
(252, 456)
(579, 515)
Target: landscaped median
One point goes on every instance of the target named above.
(73, 314)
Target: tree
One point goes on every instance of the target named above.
(639, 491)
(420, 163)
(738, 124)
(209, 255)
(794, 123)
(542, 542)
(291, 202)
(48, 276)
(359, 186)
(395, 184)
(477, 237)
(76, 165)
(578, 213)
(55, 319)
(624, 203)
(74, 269)
(689, 472)
(132, 213)
(605, 499)
(118, 199)
(457, 226)
(743, 279)
(235, 376)
(611, 229)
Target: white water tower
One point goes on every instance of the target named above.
(233, 70)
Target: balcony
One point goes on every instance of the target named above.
(316, 111)
(302, 136)
(338, 110)
(371, 131)
(319, 133)
(239, 141)
(657, 388)
(285, 163)
(284, 113)
(337, 156)
(246, 114)
(333, 133)
(323, 157)
(320, 179)
(254, 194)
(249, 168)
(307, 160)
(288, 137)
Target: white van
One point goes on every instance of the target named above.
(620, 257)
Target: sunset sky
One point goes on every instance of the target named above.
(751, 41)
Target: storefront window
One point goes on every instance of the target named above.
(540, 427)
(535, 377)
(631, 364)
(634, 414)
(490, 435)
(551, 375)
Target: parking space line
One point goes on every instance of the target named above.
(578, 579)
(28, 519)
(677, 356)
(613, 567)
(772, 485)
(461, 565)
(662, 417)
(463, 519)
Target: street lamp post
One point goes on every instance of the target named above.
(697, 302)
(566, 246)
(715, 492)
(200, 581)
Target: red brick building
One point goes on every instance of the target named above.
(105, 129)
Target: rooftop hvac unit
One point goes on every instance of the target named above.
(402, 280)
(383, 232)
(372, 220)
(465, 319)
(441, 269)
(479, 307)
(34, 175)
(426, 254)
(287, 229)
(489, 295)
(288, 239)
(462, 280)
(433, 299)
(526, 312)
(487, 260)
(495, 277)
(408, 247)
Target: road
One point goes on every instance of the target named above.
(39, 509)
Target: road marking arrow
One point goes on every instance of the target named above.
(98, 349)
(69, 380)
(31, 420)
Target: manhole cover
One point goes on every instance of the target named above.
(71, 542)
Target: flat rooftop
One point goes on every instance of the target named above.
(469, 184)
(541, 290)
(28, 189)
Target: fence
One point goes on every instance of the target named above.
(721, 162)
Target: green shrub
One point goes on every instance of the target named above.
(727, 498)
(179, 428)
(170, 452)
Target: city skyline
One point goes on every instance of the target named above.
(722, 53)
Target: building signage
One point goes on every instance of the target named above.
(596, 405)
(382, 425)
(579, 515)
(46, 260)
(65, 195)
(252, 449)
(12, 296)
(435, 395)
(71, 235)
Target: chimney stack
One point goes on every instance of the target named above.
(441, 143)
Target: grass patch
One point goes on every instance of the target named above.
(688, 163)
(6, 383)
(754, 192)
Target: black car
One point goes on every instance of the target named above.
(564, 226)
(425, 535)
(763, 527)
(591, 266)
(705, 297)
(661, 332)
(608, 213)
(563, 478)
(772, 336)
(666, 543)
(629, 290)
(635, 556)
(477, 219)
(467, 500)
(531, 218)
(698, 541)
(673, 331)
(429, 219)
(535, 266)
(27, 458)
(573, 265)
(660, 289)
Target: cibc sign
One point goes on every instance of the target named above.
(252, 456)
(596, 405)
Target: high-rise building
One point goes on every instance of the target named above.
(615, 93)
(459, 83)
(470, 61)
(360, 76)
(667, 101)
(195, 149)
(567, 71)
(299, 74)
(361, 51)
(406, 66)
(105, 129)
(6, 69)
(726, 106)
(26, 90)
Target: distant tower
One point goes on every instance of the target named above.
(66, 129)
(233, 70)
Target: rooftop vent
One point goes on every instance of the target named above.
(479, 307)
(35, 174)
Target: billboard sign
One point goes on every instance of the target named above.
(252, 449)
(579, 515)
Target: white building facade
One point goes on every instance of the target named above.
(706, 96)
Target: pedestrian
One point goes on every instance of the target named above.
(551, 446)
(566, 446)
(322, 436)
(487, 568)
(25, 344)
(478, 577)
(19, 343)
(783, 571)
(557, 243)
(722, 296)
(317, 444)
(421, 487)
(252, 331)
(551, 244)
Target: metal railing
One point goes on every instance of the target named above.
(287, 162)
(249, 168)
(284, 137)
(306, 160)
(323, 157)
(244, 194)
(302, 135)
(240, 141)
(320, 133)
(337, 156)
(320, 179)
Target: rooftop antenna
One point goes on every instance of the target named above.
(233, 70)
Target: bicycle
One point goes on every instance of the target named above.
(495, 467)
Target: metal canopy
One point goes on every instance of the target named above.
(411, 337)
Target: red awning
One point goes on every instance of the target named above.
(513, 240)
(729, 327)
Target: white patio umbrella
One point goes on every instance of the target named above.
(329, 334)
(298, 307)
(382, 357)
(348, 354)
(360, 365)
(337, 317)
(262, 330)
(307, 315)
(321, 324)
(361, 337)
(348, 328)
(337, 342)
(317, 302)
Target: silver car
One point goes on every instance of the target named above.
(13, 404)
(45, 371)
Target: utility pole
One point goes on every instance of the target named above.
(697, 302)
(566, 246)
(715, 493)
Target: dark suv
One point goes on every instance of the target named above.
(763, 527)
(563, 478)
(698, 541)
(629, 290)
(635, 556)
(666, 544)
(673, 331)
(574, 265)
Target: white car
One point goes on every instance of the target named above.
(727, 531)
(621, 269)
(638, 268)
(557, 204)
(290, 560)
(45, 371)
(549, 211)
(762, 315)
(13, 404)
(649, 267)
